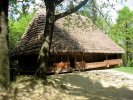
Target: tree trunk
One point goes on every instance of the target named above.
(47, 39)
(94, 18)
(127, 48)
(48, 33)
(4, 56)
(127, 53)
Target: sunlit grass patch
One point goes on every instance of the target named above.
(125, 69)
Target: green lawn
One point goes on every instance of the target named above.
(125, 69)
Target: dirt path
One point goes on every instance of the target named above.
(90, 85)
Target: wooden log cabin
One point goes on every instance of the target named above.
(77, 41)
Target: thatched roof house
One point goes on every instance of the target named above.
(72, 34)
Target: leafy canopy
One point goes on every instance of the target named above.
(122, 33)
(123, 28)
(17, 28)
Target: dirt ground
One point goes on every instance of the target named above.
(89, 85)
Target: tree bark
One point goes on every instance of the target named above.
(127, 52)
(47, 38)
(94, 12)
(48, 34)
(4, 56)
(127, 48)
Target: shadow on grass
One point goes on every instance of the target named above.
(80, 85)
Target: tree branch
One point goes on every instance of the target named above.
(70, 11)
(112, 5)
(57, 2)
(102, 15)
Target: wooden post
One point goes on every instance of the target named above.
(106, 60)
(75, 60)
(106, 56)
(118, 56)
(82, 60)
(82, 63)
(61, 57)
(68, 60)
(82, 56)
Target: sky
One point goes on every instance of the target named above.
(113, 12)
(119, 6)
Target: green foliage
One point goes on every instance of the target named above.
(123, 27)
(17, 28)
(101, 19)
(122, 33)
(125, 69)
(20, 7)
(19, 18)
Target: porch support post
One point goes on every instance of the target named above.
(68, 60)
(106, 56)
(75, 60)
(61, 56)
(106, 60)
(118, 56)
(83, 62)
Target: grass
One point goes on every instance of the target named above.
(125, 69)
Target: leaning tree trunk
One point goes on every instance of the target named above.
(4, 57)
(48, 33)
(47, 39)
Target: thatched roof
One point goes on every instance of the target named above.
(71, 34)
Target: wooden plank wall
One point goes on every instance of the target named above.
(91, 60)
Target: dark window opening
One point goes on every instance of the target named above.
(90, 58)
(72, 62)
(113, 56)
(28, 62)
